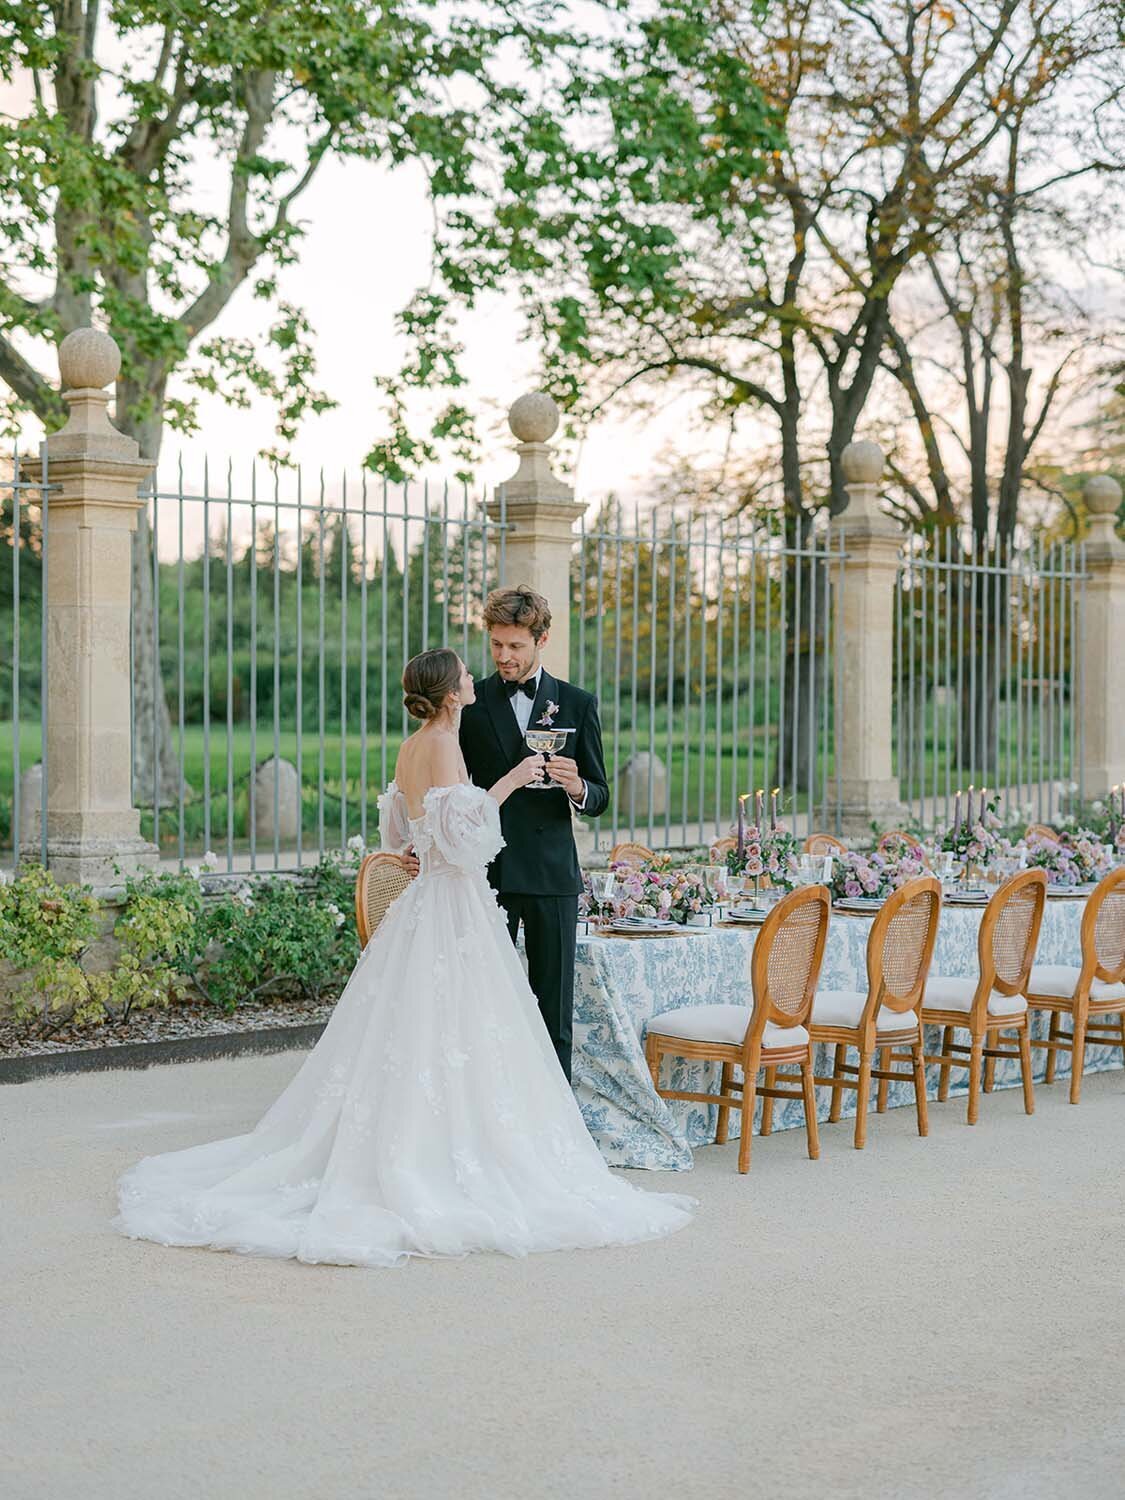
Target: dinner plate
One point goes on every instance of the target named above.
(747, 918)
(1069, 890)
(859, 903)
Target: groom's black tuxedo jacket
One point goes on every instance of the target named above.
(539, 857)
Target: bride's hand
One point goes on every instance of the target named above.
(528, 770)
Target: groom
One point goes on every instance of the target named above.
(536, 875)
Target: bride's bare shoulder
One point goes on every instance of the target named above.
(428, 760)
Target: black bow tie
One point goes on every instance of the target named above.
(528, 687)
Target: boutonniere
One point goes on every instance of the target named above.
(548, 717)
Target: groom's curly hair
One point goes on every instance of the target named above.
(519, 606)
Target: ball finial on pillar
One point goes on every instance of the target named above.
(88, 360)
(534, 418)
(862, 463)
(1102, 495)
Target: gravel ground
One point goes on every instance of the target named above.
(193, 1019)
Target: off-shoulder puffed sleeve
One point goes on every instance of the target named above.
(394, 828)
(465, 823)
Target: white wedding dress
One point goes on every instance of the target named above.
(432, 1117)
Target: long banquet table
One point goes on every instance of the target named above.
(620, 983)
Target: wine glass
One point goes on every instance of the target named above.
(545, 742)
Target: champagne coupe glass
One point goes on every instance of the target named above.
(545, 742)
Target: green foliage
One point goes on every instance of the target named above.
(273, 937)
(270, 936)
(100, 196)
(161, 937)
(43, 921)
(45, 929)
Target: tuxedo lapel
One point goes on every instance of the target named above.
(499, 709)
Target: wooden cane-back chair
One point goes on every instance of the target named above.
(1041, 831)
(823, 843)
(994, 1001)
(382, 877)
(897, 839)
(900, 947)
(1095, 989)
(636, 856)
(784, 968)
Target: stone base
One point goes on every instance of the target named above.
(875, 802)
(102, 863)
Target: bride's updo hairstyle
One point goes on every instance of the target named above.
(428, 680)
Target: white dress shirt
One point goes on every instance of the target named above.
(521, 707)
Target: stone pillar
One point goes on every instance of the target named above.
(93, 830)
(1103, 642)
(540, 512)
(864, 646)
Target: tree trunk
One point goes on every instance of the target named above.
(155, 762)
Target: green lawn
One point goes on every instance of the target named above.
(341, 803)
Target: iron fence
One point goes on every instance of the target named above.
(275, 617)
(24, 528)
(709, 644)
(280, 623)
(987, 679)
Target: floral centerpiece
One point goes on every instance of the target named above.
(855, 873)
(1072, 859)
(673, 895)
(760, 851)
(974, 834)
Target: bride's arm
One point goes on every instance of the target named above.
(446, 766)
(523, 773)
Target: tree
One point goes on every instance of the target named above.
(794, 288)
(998, 333)
(102, 216)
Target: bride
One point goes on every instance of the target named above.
(432, 1117)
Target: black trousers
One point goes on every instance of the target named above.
(549, 927)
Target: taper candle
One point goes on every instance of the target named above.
(773, 806)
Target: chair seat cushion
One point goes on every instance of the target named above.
(1062, 980)
(845, 1007)
(723, 1023)
(957, 994)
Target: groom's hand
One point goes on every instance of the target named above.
(410, 862)
(564, 771)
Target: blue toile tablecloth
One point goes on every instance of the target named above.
(621, 982)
